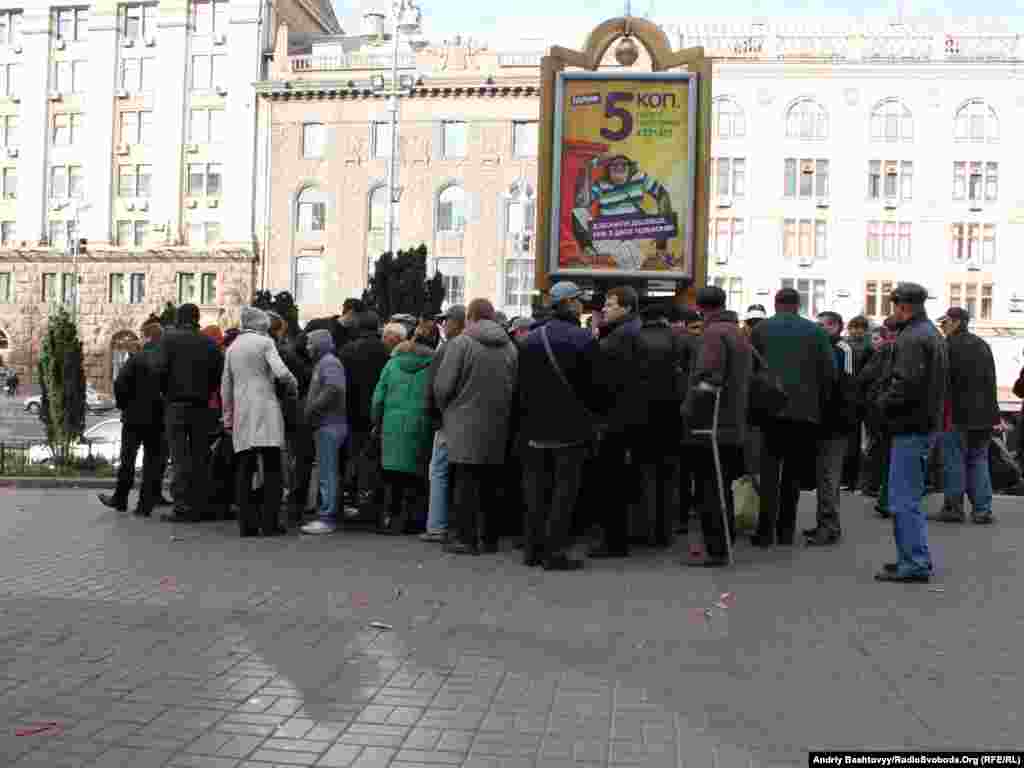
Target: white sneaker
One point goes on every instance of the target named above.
(317, 527)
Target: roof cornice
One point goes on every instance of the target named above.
(335, 89)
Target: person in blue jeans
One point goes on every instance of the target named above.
(326, 415)
(912, 405)
(974, 405)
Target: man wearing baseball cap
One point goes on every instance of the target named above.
(912, 407)
(975, 411)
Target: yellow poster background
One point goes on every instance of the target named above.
(658, 143)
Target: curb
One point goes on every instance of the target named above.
(57, 482)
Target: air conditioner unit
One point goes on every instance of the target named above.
(806, 260)
(12, 152)
(151, 41)
(18, 48)
(59, 44)
(973, 265)
(721, 257)
(724, 201)
(122, 93)
(975, 206)
(220, 38)
(54, 96)
(123, 148)
(15, 98)
(891, 203)
(822, 202)
(191, 148)
(213, 202)
(128, 42)
(159, 227)
(143, 205)
(221, 90)
(130, 205)
(191, 203)
(57, 205)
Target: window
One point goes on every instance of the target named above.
(453, 139)
(204, 233)
(725, 239)
(10, 183)
(141, 233)
(67, 286)
(453, 278)
(206, 126)
(451, 209)
(67, 181)
(733, 287)
(376, 237)
(209, 17)
(72, 23)
(9, 126)
(204, 179)
(807, 120)
(124, 234)
(890, 180)
(973, 243)
(524, 138)
(6, 292)
(136, 127)
(312, 211)
(727, 119)
(186, 287)
(118, 294)
(967, 294)
(991, 182)
(812, 295)
(137, 75)
(49, 286)
(69, 76)
(207, 72)
(135, 181)
(889, 241)
(805, 239)
(137, 288)
(137, 21)
(976, 122)
(8, 232)
(382, 139)
(891, 122)
(10, 75)
(308, 280)
(877, 301)
(313, 140)
(208, 289)
(61, 233)
(10, 27)
(520, 225)
(729, 177)
(67, 129)
(813, 178)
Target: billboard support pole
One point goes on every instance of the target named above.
(663, 59)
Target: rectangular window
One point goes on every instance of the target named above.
(739, 178)
(61, 130)
(733, 287)
(145, 188)
(138, 288)
(313, 140)
(524, 138)
(877, 301)
(889, 241)
(213, 233)
(11, 75)
(874, 179)
(10, 183)
(196, 179)
(973, 242)
(141, 233)
(67, 285)
(988, 244)
(76, 182)
(308, 280)
(789, 181)
(10, 27)
(820, 241)
(62, 76)
(49, 286)
(382, 139)
(186, 287)
(124, 234)
(126, 181)
(821, 178)
(971, 298)
(312, 216)
(729, 177)
(986, 301)
(214, 172)
(871, 298)
(5, 287)
(904, 249)
(812, 295)
(806, 179)
(208, 291)
(129, 127)
(892, 181)
(991, 182)
(117, 294)
(10, 130)
(874, 241)
(959, 181)
(137, 21)
(131, 71)
(804, 239)
(8, 232)
(209, 17)
(201, 73)
(72, 24)
(204, 233)
(974, 183)
(789, 239)
(906, 180)
(726, 238)
(721, 177)
(957, 252)
(58, 182)
(453, 139)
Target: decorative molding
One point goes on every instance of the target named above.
(172, 24)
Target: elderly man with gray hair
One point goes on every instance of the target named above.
(394, 333)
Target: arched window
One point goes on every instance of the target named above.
(376, 224)
(976, 122)
(309, 272)
(807, 120)
(451, 209)
(727, 119)
(312, 211)
(520, 225)
(891, 121)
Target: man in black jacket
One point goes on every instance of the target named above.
(137, 394)
(912, 406)
(975, 406)
(557, 395)
(871, 381)
(189, 367)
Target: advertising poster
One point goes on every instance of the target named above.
(623, 179)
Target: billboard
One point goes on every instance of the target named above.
(623, 178)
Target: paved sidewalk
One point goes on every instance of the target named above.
(184, 646)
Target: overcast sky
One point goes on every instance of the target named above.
(566, 22)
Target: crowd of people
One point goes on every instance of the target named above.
(465, 428)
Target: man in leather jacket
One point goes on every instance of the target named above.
(912, 405)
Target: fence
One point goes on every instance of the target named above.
(34, 458)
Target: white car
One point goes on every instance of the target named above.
(100, 441)
(93, 402)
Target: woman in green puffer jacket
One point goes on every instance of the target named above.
(399, 408)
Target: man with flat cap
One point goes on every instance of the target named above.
(912, 406)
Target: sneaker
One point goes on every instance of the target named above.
(985, 519)
(434, 536)
(318, 527)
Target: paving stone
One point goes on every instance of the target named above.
(284, 757)
(339, 756)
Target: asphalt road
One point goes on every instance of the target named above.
(18, 425)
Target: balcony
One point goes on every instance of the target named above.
(349, 61)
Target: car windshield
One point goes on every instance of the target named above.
(104, 432)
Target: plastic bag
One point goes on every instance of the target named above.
(746, 502)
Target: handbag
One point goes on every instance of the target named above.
(767, 398)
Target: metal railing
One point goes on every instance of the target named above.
(345, 61)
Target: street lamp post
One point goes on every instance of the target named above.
(405, 17)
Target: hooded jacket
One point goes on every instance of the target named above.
(475, 387)
(326, 399)
(399, 404)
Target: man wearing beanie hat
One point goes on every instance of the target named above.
(189, 367)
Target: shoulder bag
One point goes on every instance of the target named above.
(767, 397)
(561, 375)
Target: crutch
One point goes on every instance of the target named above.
(713, 434)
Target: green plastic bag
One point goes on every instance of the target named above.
(746, 502)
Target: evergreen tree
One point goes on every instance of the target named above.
(169, 316)
(62, 380)
(400, 285)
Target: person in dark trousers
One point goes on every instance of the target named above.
(683, 319)
(324, 412)
(657, 456)
(189, 367)
(859, 339)
(296, 356)
(722, 370)
(558, 395)
(625, 419)
(137, 395)
(870, 383)
(474, 387)
(799, 353)
(912, 404)
(975, 410)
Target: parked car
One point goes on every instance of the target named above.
(94, 403)
(100, 441)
